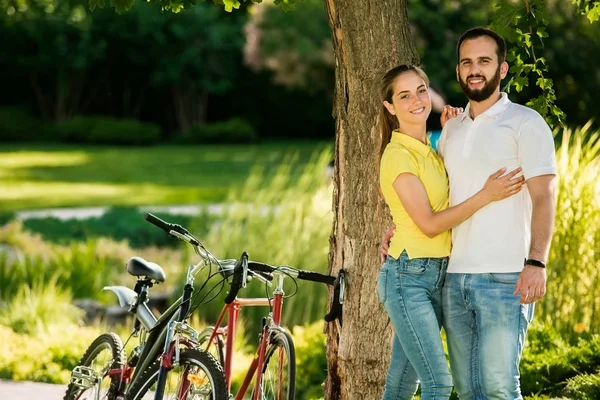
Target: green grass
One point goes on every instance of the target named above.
(42, 176)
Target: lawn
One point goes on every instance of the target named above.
(39, 176)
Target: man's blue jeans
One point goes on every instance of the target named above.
(411, 292)
(485, 326)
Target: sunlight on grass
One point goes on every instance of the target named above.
(71, 176)
(29, 159)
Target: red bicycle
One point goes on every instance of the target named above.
(273, 367)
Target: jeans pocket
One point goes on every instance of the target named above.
(414, 266)
(509, 278)
(381, 285)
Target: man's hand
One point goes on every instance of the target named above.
(531, 284)
(385, 244)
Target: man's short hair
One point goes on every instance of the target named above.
(477, 32)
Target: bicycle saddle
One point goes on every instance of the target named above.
(137, 266)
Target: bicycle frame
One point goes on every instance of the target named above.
(273, 323)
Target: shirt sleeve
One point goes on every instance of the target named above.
(537, 155)
(396, 162)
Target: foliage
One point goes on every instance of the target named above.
(107, 130)
(281, 219)
(35, 308)
(574, 254)
(234, 131)
(311, 361)
(18, 123)
(584, 386)
(549, 361)
(46, 355)
(118, 223)
(83, 269)
(299, 53)
(589, 8)
(524, 24)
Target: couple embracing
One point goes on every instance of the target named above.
(473, 225)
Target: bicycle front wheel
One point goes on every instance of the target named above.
(279, 372)
(197, 377)
(90, 379)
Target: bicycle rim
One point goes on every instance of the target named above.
(279, 372)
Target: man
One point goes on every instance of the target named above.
(497, 265)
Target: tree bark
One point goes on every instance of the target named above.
(369, 37)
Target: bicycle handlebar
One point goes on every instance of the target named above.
(243, 266)
(238, 278)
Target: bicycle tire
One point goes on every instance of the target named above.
(219, 352)
(188, 359)
(279, 383)
(106, 341)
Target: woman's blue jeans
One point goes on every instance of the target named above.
(411, 292)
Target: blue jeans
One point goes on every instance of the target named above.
(411, 292)
(485, 326)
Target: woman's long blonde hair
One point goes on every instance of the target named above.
(388, 122)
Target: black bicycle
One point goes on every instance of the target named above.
(166, 360)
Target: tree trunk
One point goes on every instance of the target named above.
(369, 37)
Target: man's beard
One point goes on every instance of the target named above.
(485, 92)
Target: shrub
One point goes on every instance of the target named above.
(574, 254)
(549, 361)
(107, 130)
(36, 307)
(18, 124)
(118, 223)
(234, 130)
(584, 387)
(311, 360)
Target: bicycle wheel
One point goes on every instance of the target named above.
(89, 379)
(197, 377)
(279, 371)
(216, 349)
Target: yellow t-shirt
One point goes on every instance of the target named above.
(406, 154)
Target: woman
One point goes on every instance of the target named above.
(415, 187)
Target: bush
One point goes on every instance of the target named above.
(18, 124)
(36, 308)
(234, 130)
(549, 361)
(311, 360)
(118, 223)
(574, 254)
(584, 387)
(107, 130)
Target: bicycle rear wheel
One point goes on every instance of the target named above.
(279, 372)
(89, 379)
(197, 377)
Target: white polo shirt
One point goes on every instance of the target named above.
(496, 238)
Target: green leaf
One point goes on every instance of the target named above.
(121, 6)
(96, 3)
(231, 4)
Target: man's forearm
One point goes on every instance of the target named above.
(542, 225)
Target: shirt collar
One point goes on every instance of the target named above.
(494, 111)
(412, 143)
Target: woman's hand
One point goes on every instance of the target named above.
(449, 112)
(498, 186)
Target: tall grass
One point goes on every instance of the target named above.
(571, 303)
(280, 220)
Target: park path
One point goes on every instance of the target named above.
(89, 212)
(31, 391)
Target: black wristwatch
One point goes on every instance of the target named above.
(535, 263)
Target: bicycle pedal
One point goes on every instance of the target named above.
(84, 377)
